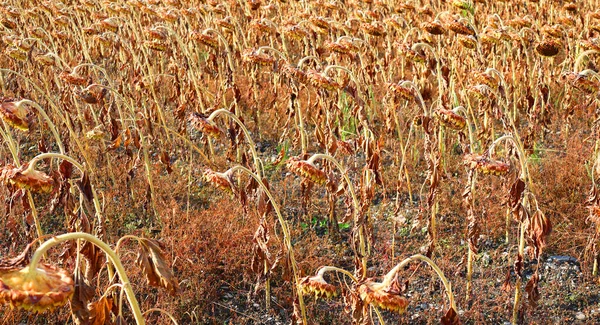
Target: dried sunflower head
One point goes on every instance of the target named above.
(405, 93)
(318, 286)
(203, 125)
(251, 55)
(42, 289)
(15, 114)
(293, 72)
(221, 181)
(451, 119)
(306, 169)
(73, 79)
(295, 32)
(26, 178)
(467, 41)
(434, 28)
(322, 81)
(459, 27)
(486, 165)
(382, 296)
(548, 47)
(206, 39)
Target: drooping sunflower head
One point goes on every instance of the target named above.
(382, 296)
(317, 286)
(15, 114)
(306, 169)
(42, 289)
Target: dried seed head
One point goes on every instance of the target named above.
(25, 178)
(73, 79)
(378, 295)
(549, 47)
(375, 28)
(306, 169)
(157, 33)
(451, 119)
(337, 47)
(156, 45)
(415, 56)
(88, 96)
(169, 15)
(15, 114)
(262, 26)
(293, 72)
(45, 288)
(520, 22)
(322, 81)
(461, 28)
(486, 165)
(206, 39)
(25, 44)
(434, 28)
(47, 59)
(485, 79)
(221, 181)
(318, 286)
(203, 125)
(110, 24)
(226, 23)
(252, 55)
(582, 81)
(481, 91)
(405, 93)
(6, 22)
(254, 4)
(295, 32)
(570, 7)
(16, 54)
(469, 41)
(320, 25)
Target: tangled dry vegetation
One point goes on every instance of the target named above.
(309, 162)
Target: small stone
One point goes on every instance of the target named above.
(580, 316)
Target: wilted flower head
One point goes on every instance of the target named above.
(374, 29)
(405, 93)
(434, 28)
(44, 288)
(306, 169)
(486, 165)
(467, 41)
(294, 73)
(318, 286)
(254, 56)
(382, 296)
(549, 47)
(203, 125)
(582, 81)
(321, 24)
(295, 32)
(221, 181)
(322, 81)
(15, 114)
(459, 27)
(73, 79)
(451, 119)
(26, 178)
(206, 39)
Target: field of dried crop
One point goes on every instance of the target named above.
(299, 162)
